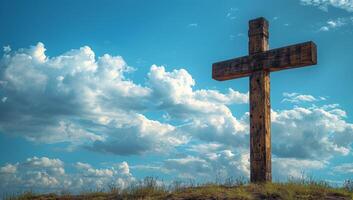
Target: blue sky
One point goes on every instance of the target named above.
(101, 92)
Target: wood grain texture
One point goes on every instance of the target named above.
(258, 65)
(293, 56)
(260, 109)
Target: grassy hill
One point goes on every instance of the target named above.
(151, 190)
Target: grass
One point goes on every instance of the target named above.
(150, 188)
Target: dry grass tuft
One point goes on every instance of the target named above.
(151, 188)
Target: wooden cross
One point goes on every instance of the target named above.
(258, 65)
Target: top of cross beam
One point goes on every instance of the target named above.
(258, 26)
(298, 55)
(260, 58)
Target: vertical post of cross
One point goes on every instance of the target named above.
(260, 109)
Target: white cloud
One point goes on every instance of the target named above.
(39, 172)
(88, 101)
(193, 25)
(218, 163)
(233, 97)
(189, 167)
(284, 168)
(49, 175)
(7, 49)
(124, 168)
(299, 98)
(38, 52)
(345, 168)
(79, 99)
(311, 133)
(231, 14)
(206, 148)
(333, 24)
(8, 169)
(215, 161)
(221, 164)
(75, 98)
(324, 28)
(83, 100)
(324, 4)
(137, 135)
(204, 111)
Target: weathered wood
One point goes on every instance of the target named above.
(293, 56)
(258, 66)
(260, 110)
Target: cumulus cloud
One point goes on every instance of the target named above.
(205, 112)
(6, 49)
(49, 175)
(89, 101)
(79, 99)
(39, 172)
(176, 87)
(311, 133)
(138, 136)
(332, 24)
(286, 168)
(324, 4)
(214, 162)
(304, 139)
(86, 100)
(190, 167)
(210, 163)
(202, 162)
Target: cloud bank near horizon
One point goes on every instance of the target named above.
(50, 175)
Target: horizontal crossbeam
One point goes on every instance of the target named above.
(293, 56)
